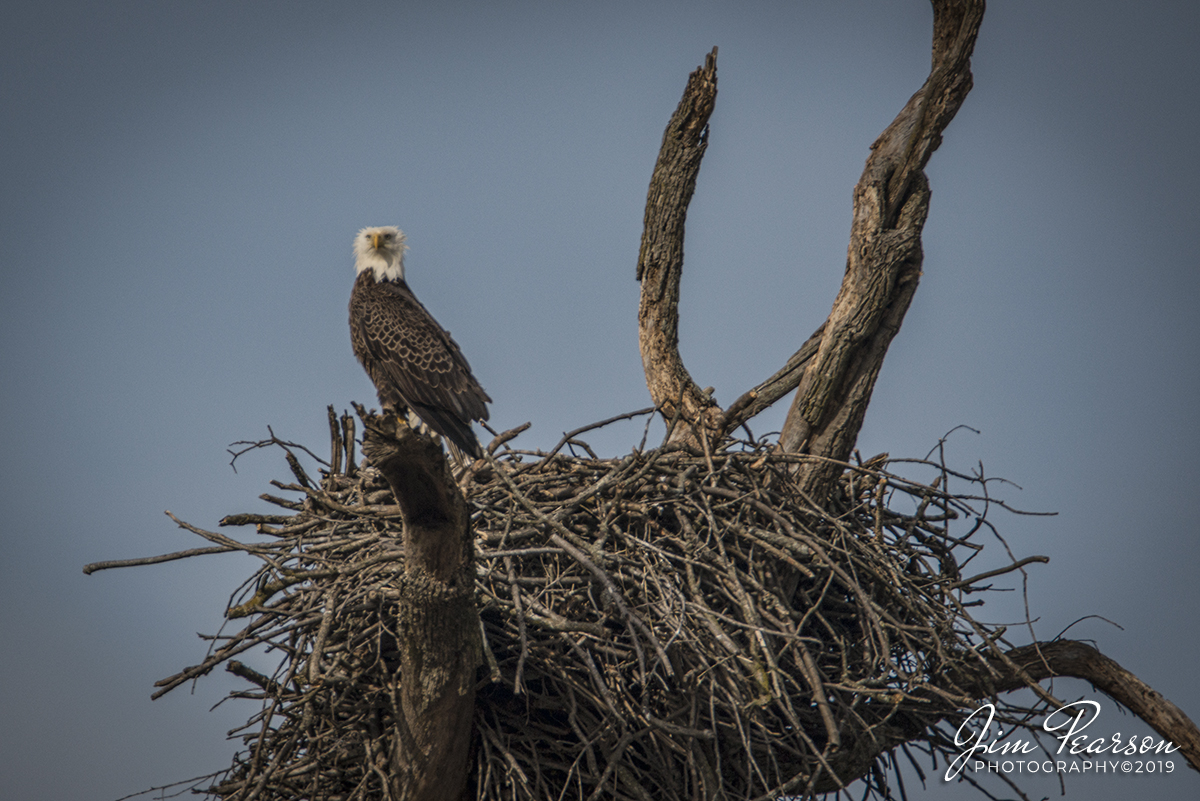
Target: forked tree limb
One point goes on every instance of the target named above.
(883, 265)
(834, 372)
(436, 617)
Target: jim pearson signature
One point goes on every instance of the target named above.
(1066, 724)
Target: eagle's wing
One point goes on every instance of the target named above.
(407, 354)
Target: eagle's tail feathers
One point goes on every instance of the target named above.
(457, 431)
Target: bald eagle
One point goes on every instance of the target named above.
(412, 360)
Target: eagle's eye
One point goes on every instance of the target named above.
(387, 237)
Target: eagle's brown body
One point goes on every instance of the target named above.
(413, 361)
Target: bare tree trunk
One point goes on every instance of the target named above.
(437, 622)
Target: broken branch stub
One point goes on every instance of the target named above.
(436, 619)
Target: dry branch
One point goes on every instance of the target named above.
(660, 260)
(883, 264)
(1079, 660)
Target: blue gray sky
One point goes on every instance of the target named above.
(181, 183)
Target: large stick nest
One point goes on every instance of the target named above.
(654, 627)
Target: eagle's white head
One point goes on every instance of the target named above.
(380, 250)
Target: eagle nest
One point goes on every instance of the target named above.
(653, 627)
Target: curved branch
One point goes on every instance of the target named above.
(891, 203)
(1038, 661)
(1071, 658)
(660, 260)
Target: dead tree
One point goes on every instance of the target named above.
(710, 619)
(835, 370)
(833, 373)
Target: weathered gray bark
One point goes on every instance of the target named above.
(437, 622)
(660, 268)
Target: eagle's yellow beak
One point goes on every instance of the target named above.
(376, 239)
